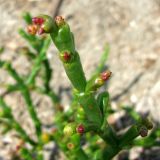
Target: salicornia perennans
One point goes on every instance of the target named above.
(82, 132)
(95, 108)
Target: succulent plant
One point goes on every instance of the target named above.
(82, 132)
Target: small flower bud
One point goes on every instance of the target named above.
(32, 29)
(105, 75)
(69, 129)
(34, 20)
(70, 146)
(143, 131)
(38, 21)
(45, 24)
(65, 56)
(59, 21)
(80, 129)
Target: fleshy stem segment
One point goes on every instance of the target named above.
(96, 109)
(64, 41)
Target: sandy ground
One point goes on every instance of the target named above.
(132, 28)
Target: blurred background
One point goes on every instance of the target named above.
(131, 28)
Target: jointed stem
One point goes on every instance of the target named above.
(25, 92)
(80, 154)
(32, 111)
(38, 61)
(48, 75)
(14, 123)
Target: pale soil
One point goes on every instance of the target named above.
(132, 28)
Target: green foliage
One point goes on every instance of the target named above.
(82, 132)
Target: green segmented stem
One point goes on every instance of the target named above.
(38, 61)
(147, 142)
(63, 39)
(80, 154)
(112, 148)
(109, 152)
(26, 94)
(75, 73)
(132, 133)
(132, 113)
(103, 101)
(31, 109)
(48, 75)
(96, 109)
(14, 123)
(41, 46)
(108, 135)
(26, 154)
(27, 17)
(22, 132)
(91, 108)
(77, 152)
(32, 40)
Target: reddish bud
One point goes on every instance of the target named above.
(66, 56)
(59, 20)
(80, 129)
(34, 20)
(105, 75)
(38, 21)
(32, 29)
